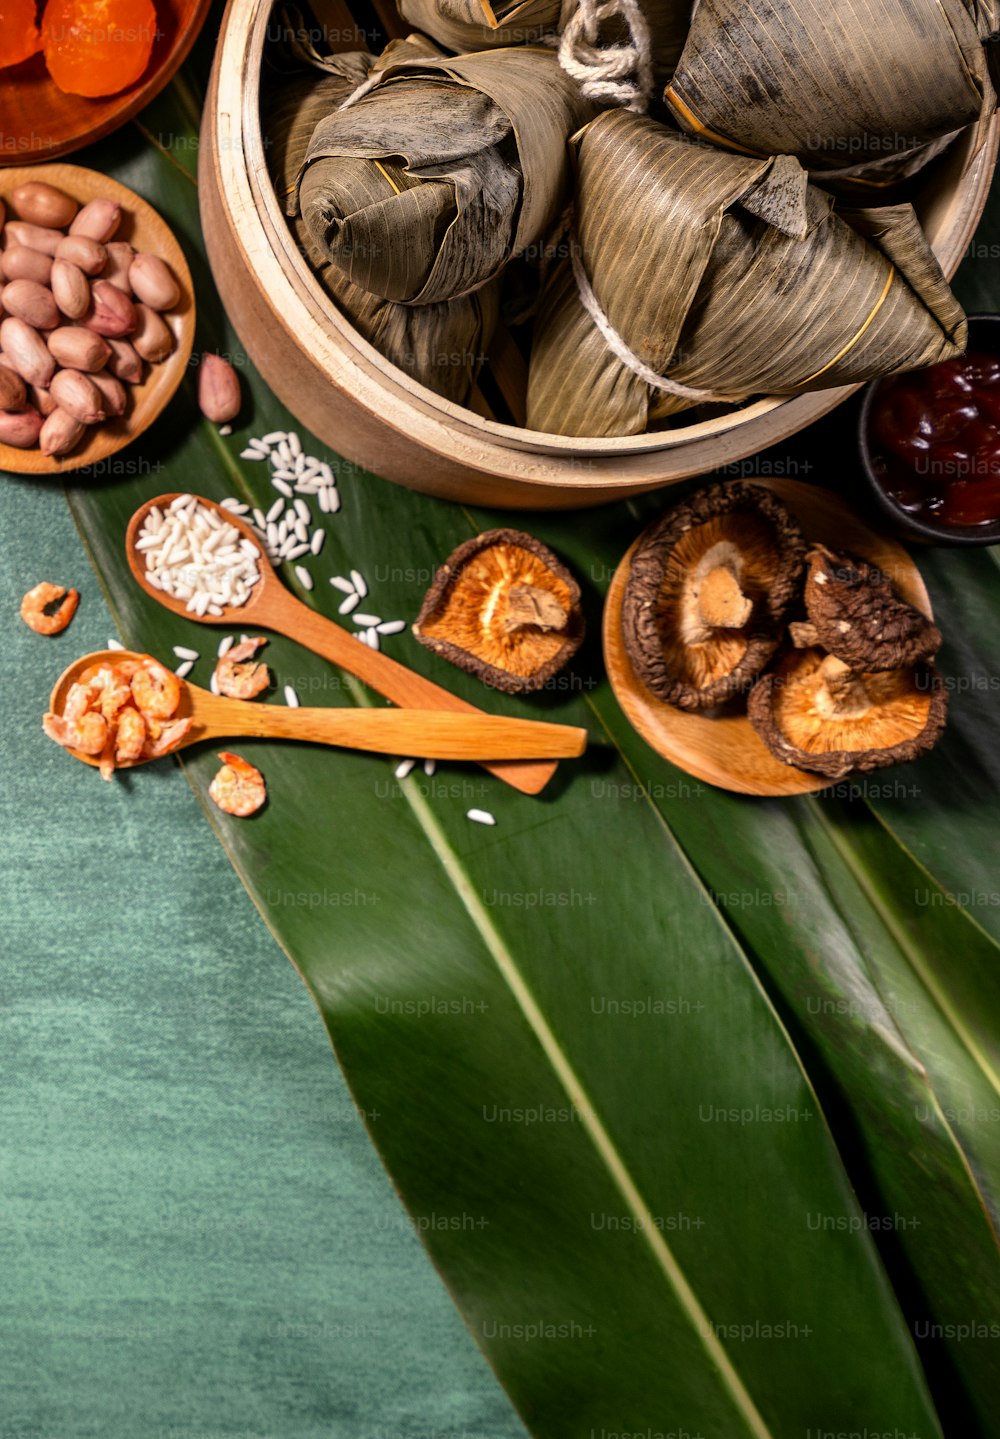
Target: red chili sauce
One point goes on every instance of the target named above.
(934, 437)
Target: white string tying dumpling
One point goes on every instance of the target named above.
(609, 74)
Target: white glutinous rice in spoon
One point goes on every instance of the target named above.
(200, 557)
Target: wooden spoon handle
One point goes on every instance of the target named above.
(397, 683)
(424, 734)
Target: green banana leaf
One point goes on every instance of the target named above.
(647, 1063)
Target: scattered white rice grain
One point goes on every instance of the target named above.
(304, 577)
(291, 698)
(430, 765)
(276, 509)
(324, 501)
(349, 604)
(403, 768)
(480, 816)
(302, 510)
(359, 585)
(391, 627)
(272, 534)
(284, 453)
(282, 531)
(332, 501)
(367, 621)
(340, 583)
(115, 644)
(316, 544)
(297, 551)
(294, 443)
(183, 653)
(260, 519)
(182, 671)
(282, 486)
(213, 683)
(225, 429)
(274, 438)
(371, 638)
(249, 454)
(326, 472)
(225, 645)
(235, 507)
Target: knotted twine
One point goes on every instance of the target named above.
(609, 74)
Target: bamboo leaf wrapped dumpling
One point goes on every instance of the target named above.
(733, 278)
(841, 84)
(428, 184)
(465, 25)
(440, 345)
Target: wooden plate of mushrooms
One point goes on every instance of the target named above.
(765, 640)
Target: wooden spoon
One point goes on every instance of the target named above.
(272, 607)
(724, 749)
(425, 734)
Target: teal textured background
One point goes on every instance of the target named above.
(197, 1240)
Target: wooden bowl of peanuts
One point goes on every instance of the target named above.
(98, 318)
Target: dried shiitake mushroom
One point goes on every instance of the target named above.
(813, 711)
(707, 594)
(503, 607)
(855, 614)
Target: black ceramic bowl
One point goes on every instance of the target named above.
(984, 334)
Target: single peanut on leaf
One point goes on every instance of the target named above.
(219, 395)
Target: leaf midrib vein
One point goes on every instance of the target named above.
(577, 1094)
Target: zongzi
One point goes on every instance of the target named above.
(598, 45)
(840, 85)
(733, 278)
(465, 25)
(424, 187)
(440, 345)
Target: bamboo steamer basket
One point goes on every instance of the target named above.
(339, 387)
